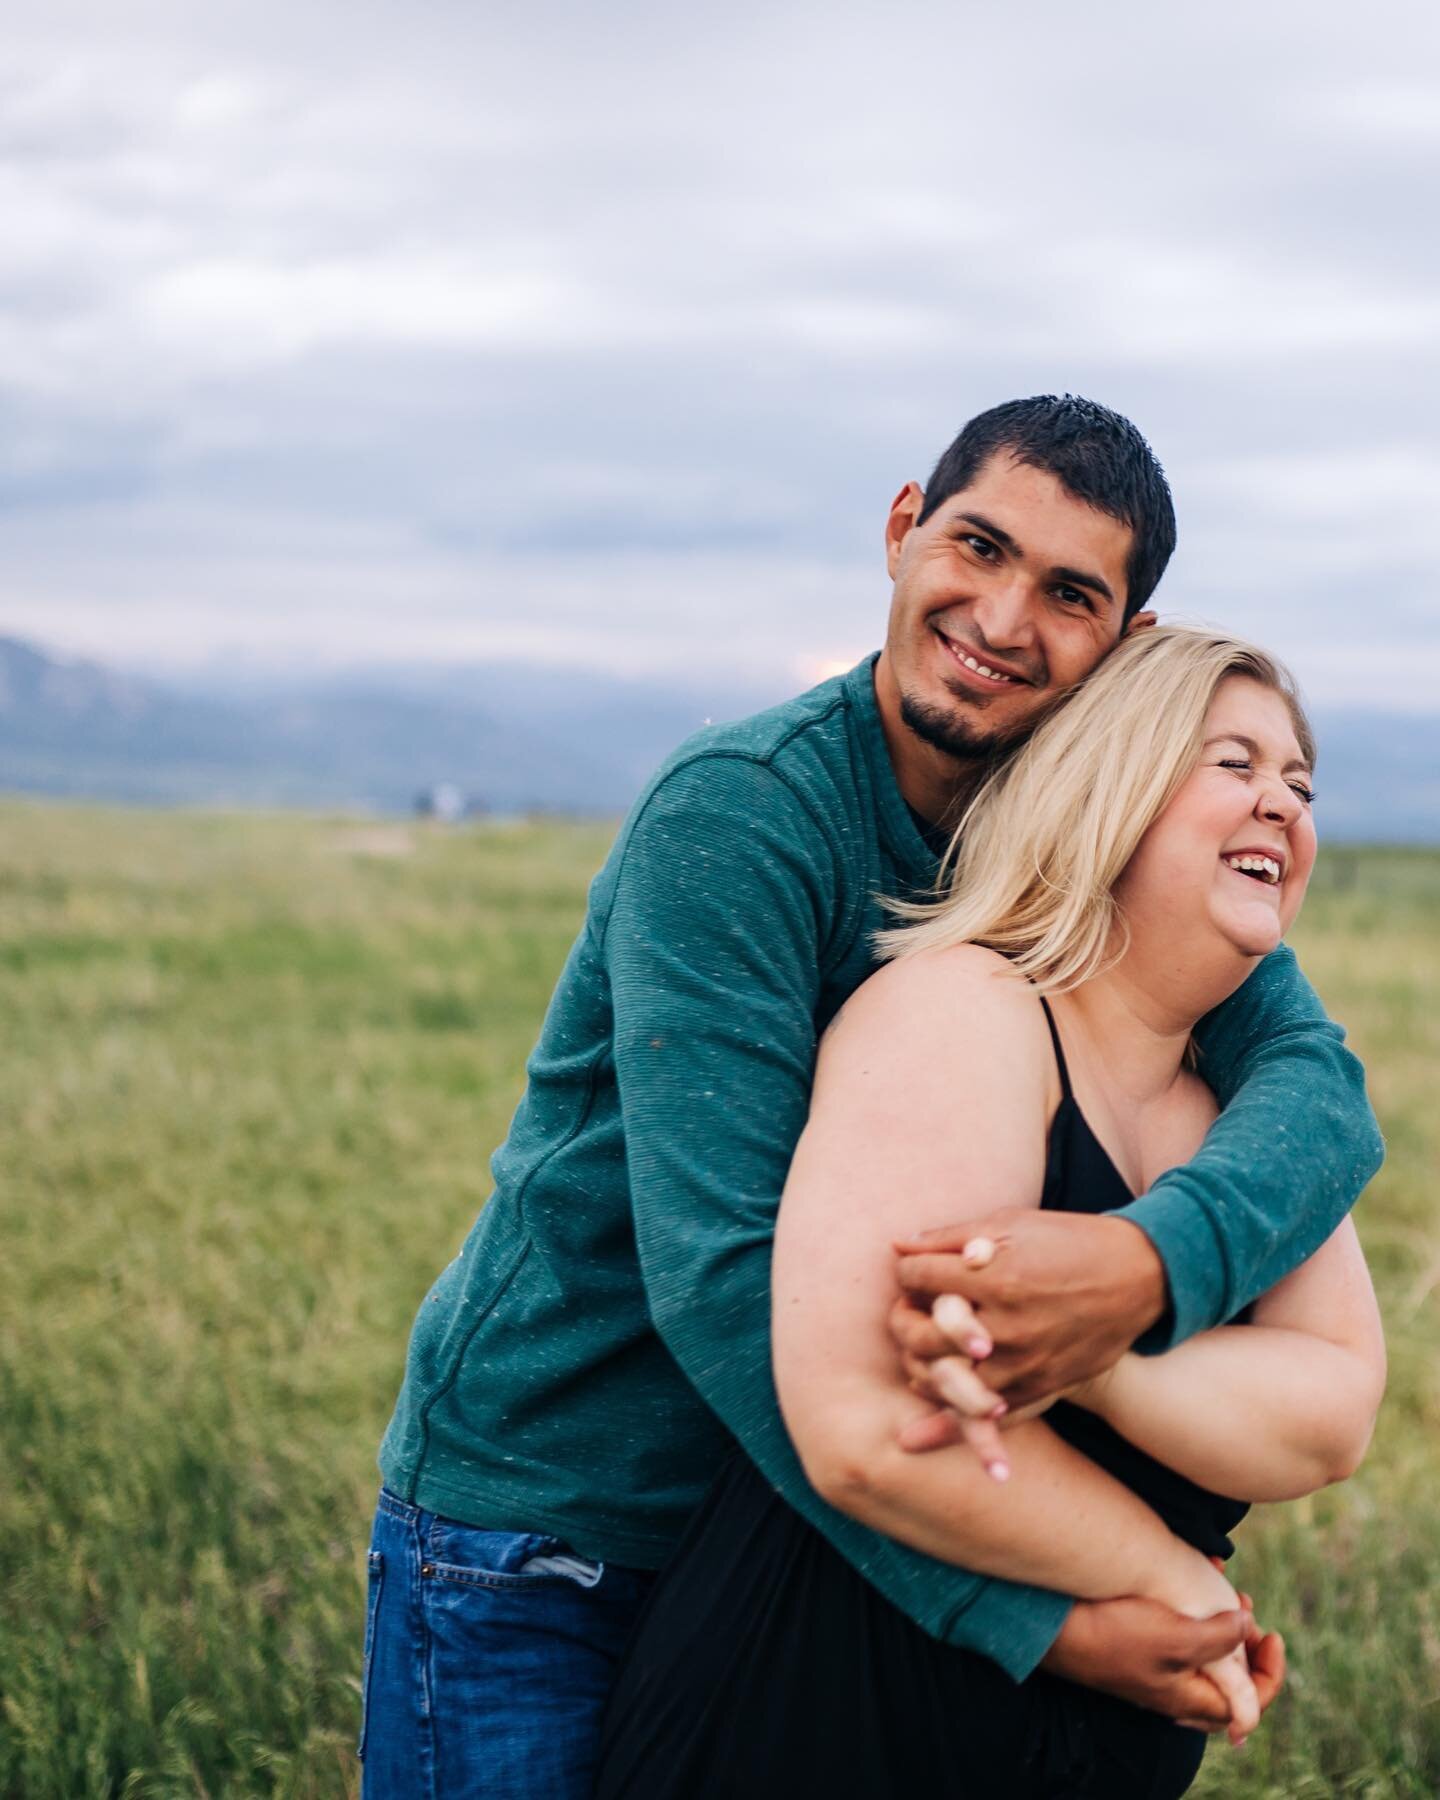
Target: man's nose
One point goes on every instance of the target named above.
(1005, 613)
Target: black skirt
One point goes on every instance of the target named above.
(764, 1665)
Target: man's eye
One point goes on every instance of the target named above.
(981, 546)
(1071, 596)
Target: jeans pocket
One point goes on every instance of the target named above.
(372, 1608)
(564, 1563)
(505, 1559)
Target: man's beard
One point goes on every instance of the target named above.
(937, 726)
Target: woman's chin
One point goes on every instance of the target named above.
(1251, 931)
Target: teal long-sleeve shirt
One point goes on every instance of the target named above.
(584, 1364)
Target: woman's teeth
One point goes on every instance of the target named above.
(1264, 866)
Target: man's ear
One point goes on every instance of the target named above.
(1141, 622)
(905, 509)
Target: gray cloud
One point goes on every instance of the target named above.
(602, 336)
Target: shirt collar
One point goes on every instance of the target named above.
(916, 860)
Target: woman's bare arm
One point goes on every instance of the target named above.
(1269, 1410)
(932, 1096)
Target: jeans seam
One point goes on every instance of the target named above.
(419, 1525)
(376, 1588)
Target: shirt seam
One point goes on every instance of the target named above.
(452, 1374)
(765, 761)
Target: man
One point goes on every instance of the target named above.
(577, 1373)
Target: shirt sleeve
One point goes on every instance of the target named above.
(1294, 1145)
(714, 940)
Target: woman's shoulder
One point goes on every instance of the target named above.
(948, 1048)
(958, 994)
(969, 971)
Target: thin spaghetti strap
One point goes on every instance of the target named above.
(1059, 1052)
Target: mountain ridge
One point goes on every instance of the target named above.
(510, 737)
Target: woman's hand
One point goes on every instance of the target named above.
(1143, 1652)
(970, 1412)
(1064, 1295)
(1194, 1585)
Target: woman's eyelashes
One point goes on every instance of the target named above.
(1244, 765)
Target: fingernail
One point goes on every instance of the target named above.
(999, 1410)
(1000, 1471)
(977, 1347)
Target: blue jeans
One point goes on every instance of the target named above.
(489, 1656)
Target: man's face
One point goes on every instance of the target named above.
(1004, 598)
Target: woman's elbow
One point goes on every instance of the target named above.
(1352, 1442)
(1358, 1428)
(1350, 1425)
(844, 1462)
(842, 1481)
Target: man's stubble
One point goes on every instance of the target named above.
(978, 750)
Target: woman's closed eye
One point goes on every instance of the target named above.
(1243, 765)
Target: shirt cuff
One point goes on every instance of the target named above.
(1196, 1273)
(1013, 1627)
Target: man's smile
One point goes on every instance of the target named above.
(983, 673)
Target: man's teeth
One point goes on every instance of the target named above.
(980, 668)
(1255, 865)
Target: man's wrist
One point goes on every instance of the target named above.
(1070, 1642)
(1146, 1285)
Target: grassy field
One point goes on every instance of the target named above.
(253, 1069)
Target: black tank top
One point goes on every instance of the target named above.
(1080, 1177)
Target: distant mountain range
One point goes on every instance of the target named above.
(512, 738)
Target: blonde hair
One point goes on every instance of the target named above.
(1031, 868)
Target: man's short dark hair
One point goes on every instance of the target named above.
(1095, 454)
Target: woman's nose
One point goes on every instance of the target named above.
(1279, 804)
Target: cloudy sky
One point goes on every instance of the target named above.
(604, 335)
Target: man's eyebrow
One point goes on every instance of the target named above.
(1075, 577)
(1248, 743)
(991, 529)
(1078, 578)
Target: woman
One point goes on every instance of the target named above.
(1030, 1039)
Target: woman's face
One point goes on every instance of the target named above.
(1233, 851)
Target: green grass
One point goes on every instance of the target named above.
(253, 1070)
